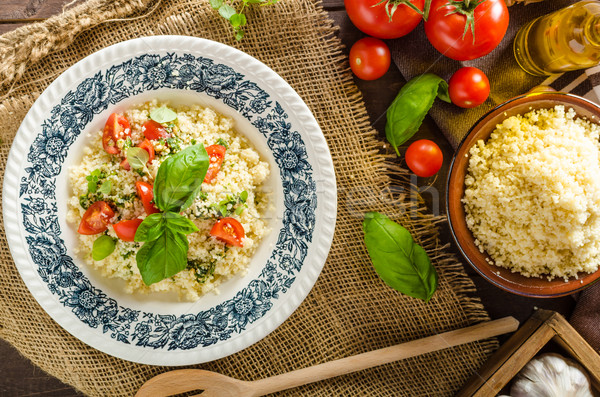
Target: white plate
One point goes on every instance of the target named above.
(158, 329)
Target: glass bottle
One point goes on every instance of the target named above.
(567, 39)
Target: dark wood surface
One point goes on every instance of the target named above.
(18, 377)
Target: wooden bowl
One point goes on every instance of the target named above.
(499, 276)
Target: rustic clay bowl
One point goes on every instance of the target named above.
(501, 277)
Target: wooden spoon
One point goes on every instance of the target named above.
(215, 384)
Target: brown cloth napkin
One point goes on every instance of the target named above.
(414, 55)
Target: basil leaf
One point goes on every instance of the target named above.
(407, 112)
(105, 188)
(151, 228)
(137, 157)
(216, 4)
(179, 224)
(399, 261)
(103, 247)
(163, 115)
(179, 179)
(162, 258)
(243, 196)
(226, 11)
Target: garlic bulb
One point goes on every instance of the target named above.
(551, 375)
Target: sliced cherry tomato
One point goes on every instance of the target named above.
(126, 229)
(228, 230)
(116, 127)
(96, 219)
(153, 130)
(424, 158)
(147, 146)
(370, 58)
(468, 87)
(216, 153)
(370, 16)
(146, 194)
(464, 30)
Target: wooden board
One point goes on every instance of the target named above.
(543, 327)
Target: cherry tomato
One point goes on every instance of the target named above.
(116, 127)
(228, 230)
(146, 194)
(153, 130)
(445, 27)
(96, 219)
(369, 58)
(126, 229)
(372, 19)
(216, 154)
(468, 87)
(424, 158)
(147, 146)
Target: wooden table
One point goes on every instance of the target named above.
(18, 377)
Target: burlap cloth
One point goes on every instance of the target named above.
(350, 310)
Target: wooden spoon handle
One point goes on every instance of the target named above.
(384, 356)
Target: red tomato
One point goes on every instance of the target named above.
(116, 127)
(216, 153)
(372, 19)
(369, 58)
(126, 229)
(147, 146)
(229, 231)
(424, 158)
(96, 219)
(146, 194)
(468, 87)
(445, 27)
(153, 130)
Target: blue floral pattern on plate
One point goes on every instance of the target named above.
(39, 207)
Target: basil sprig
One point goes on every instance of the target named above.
(399, 261)
(177, 184)
(406, 114)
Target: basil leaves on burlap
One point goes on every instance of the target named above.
(407, 112)
(177, 184)
(399, 261)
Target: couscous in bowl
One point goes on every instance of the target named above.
(468, 246)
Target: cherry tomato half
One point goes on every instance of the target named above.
(468, 87)
(424, 158)
(146, 194)
(153, 130)
(216, 154)
(116, 127)
(370, 58)
(370, 17)
(96, 219)
(228, 230)
(125, 230)
(147, 146)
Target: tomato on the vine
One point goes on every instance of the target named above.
(371, 16)
(466, 29)
(370, 58)
(468, 87)
(228, 230)
(96, 218)
(424, 158)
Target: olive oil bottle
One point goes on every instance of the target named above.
(567, 39)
